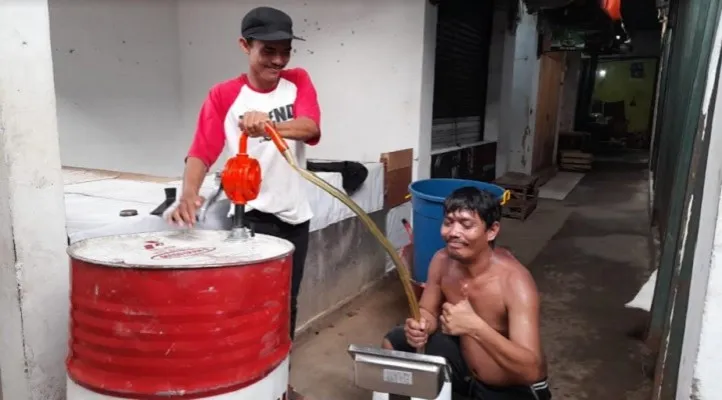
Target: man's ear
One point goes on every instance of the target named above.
(493, 231)
(245, 46)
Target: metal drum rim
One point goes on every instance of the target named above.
(71, 250)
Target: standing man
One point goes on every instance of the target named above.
(267, 93)
(479, 309)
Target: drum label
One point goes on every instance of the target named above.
(173, 252)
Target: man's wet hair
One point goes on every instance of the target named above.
(469, 198)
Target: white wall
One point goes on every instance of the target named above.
(364, 57)
(133, 85)
(522, 102)
(118, 84)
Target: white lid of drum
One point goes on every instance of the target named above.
(179, 249)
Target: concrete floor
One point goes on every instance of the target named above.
(589, 255)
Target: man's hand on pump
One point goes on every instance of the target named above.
(253, 123)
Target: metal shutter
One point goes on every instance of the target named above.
(462, 58)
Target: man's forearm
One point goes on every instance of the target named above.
(195, 172)
(301, 129)
(510, 356)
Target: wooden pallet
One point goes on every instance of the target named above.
(574, 140)
(524, 194)
(576, 161)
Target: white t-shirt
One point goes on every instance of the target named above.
(282, 189)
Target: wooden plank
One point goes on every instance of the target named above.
(515, 180)
(521, 213)
(398, 159)
(522, 200)
(584, 156)
(551, 77)
(576, 169)
(575, 162)
(398, 167)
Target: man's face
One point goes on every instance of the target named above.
(466, 235)
(267, 59)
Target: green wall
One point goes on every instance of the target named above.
(637, 93)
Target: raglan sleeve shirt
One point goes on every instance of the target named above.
(210, 137)
(306, 103)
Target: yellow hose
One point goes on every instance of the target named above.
(403, 271)
(401, 268)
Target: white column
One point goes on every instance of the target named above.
(504, 41)
(33, 264)
(699, 376)
(422, 166)
(522, 100)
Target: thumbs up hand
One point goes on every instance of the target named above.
(458, 319)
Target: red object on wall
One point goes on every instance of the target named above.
(613, 8)
(162, 315)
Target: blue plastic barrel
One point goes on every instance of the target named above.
(427, 202)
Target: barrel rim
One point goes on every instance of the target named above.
(71, 251)
(439, 199)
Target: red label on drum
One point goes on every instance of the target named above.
(182, 253)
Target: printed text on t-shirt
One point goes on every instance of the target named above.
(279, 114)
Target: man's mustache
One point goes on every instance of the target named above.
(456, 240)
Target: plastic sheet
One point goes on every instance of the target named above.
(92, 208)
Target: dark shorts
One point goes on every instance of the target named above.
(462, 381)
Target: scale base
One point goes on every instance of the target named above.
(445, 394)
(396, 373)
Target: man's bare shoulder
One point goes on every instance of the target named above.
(440, 261)
(441, 255)
(518, 281)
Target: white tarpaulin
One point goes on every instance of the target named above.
(92, 208)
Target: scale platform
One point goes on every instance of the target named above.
(403, 375)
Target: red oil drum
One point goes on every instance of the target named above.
(179, 315)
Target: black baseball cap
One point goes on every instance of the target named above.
(267, 23)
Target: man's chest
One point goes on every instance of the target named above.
(485, 295)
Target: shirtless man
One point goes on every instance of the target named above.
(480, 308)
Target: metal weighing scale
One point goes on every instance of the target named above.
(397, 375)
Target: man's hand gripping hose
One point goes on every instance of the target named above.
(233, 182)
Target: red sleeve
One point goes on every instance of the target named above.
(306, 104)
(210, 137)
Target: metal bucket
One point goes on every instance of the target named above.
(179, 314)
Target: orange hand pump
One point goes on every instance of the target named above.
(241, 176)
